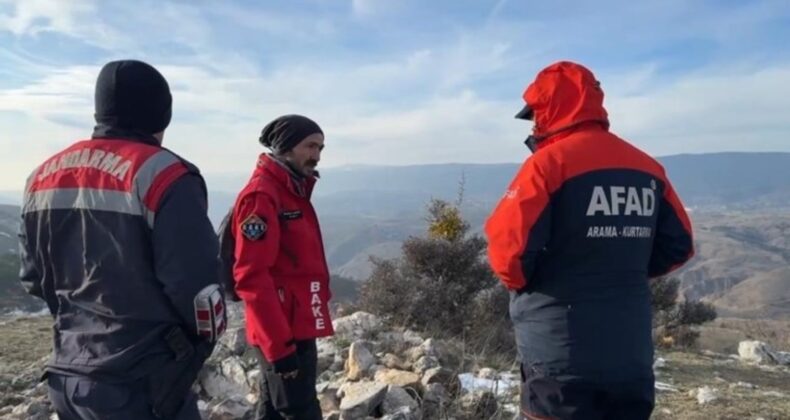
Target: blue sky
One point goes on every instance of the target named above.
(396, 82)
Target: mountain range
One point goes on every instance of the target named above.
(739, 204)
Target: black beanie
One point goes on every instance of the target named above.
(133, 95)
(284, 133)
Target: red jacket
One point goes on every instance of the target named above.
(585, 222)
(280, 271)
(583, 180)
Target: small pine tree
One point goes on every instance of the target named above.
(442, 285)
(673, 321)
(445, 221)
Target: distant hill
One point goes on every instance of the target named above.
(720, 180)
(9, 222)
(12, 295)
(360, 267)
(731, 180)
(10, 197)
(741, 264)
(363, 207)
(763, 295)
(740, 204)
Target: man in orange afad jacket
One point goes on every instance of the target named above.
(584, 224)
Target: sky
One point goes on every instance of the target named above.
(396, 82)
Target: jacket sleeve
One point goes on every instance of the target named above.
(674, 243)
(28, 271)
(185, 245)
(256, 254)
(519, 228)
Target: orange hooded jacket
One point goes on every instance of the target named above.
(580, 202)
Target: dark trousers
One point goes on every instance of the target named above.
(544, 398)
(81, 398)
(290, 399)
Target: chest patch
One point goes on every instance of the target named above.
(290, 214)
(254, 227)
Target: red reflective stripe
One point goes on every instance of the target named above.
(218, 308)
(81, 178)
(203, 315)
(89, 177)
(161, 183)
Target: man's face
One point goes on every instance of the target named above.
(304, 157)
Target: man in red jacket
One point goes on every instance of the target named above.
(586, 221)
(280, 270)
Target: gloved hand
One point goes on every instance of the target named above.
(290, 390)
(287, 367)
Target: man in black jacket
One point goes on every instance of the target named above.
(116, 239)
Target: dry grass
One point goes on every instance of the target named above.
(689, 371)
(724, 334)
(24, 341)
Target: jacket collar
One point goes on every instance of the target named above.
(297, 184)
(567, 131)
(106, 132)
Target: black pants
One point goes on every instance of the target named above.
(544, 398)
(81, 398)
(290, 399)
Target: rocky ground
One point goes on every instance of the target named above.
(369, 371)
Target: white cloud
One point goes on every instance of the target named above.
(74, 18)
(219, 108)
(471, 58)
(218, 115)
(301, 27)
(716, 110)
(371, 8)
(61, 92)
(448, 99)
(500, 4)
(29, 144)
(120, 28)
(631, 82)
(33, 16)
(455, 128)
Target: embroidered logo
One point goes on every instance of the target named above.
(254, 227)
